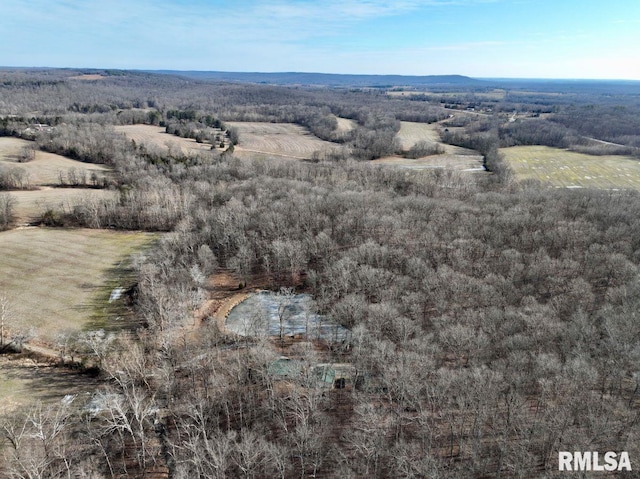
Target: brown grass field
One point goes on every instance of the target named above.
(454, 157)
(44, 171)
(345, 124)
(10, 148)
(30, 205)
(156, 137)
(88, 77)
(59, 280)
(260, 139)
(563, 168)
(411, 133)
(46, 167)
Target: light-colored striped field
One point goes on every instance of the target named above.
(569, 169)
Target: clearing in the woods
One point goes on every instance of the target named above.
(281, 140)
(155, 137)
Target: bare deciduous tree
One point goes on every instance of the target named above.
(5, 317)
(7, 204)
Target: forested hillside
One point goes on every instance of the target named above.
(492, 321)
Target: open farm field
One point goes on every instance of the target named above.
(156, 137)
(11, 147)
(45, 168)
(569, 169)
(412, 132)
(277, 139)
(345, 124)
(454, 157)
(30, 204)
(60, 280)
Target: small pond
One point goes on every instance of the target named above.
(273, 314)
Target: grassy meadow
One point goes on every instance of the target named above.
(31, 204)
(412, 132)
(155, 137)
(454, 157)
(345, 124)
(46, 168)
(284, 140)
(44, 174)
(568, 169)
(60, 280)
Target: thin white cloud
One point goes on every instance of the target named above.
(278, 16)
(350, 10)
(301, 35)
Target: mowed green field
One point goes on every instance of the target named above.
(60, 280)
(573, 170)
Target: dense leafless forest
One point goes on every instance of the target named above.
(493, 321)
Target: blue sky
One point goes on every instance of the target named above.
(479, 38)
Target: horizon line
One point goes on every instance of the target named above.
(293, 72)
